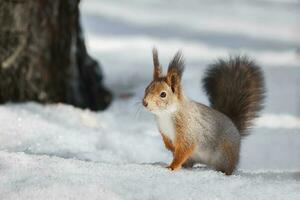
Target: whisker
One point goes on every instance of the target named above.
(137, 112)
(139, 105)
(138, 102)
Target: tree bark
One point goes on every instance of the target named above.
(43, 55)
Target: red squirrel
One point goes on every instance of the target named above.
(196, 133)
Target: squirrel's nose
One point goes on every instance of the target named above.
(145, 103)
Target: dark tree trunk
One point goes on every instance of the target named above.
(43, 55)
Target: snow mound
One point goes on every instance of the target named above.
(68, 132)
(43, 177)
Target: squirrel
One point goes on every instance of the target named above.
(196, 133)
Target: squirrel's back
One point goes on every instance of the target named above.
(235, 87)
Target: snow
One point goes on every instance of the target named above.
(44, 177)
(60, 152)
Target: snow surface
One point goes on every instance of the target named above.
(61, 152)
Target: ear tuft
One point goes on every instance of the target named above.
(176, 65)
(157, 67)
(175, 71)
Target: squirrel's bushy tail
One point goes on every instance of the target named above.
(236, 88)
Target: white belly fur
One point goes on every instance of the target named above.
(166, 125)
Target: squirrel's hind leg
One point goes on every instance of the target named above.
(226, 169)
(228, 157)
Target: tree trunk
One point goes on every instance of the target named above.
(43, 55)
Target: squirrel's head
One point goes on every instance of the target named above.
(164, 93)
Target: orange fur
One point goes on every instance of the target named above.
(184, 148)
(182, 152)
(168, 143)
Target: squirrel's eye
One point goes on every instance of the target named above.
(163, 94)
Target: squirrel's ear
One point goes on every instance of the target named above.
(157, 68)
(175, 71)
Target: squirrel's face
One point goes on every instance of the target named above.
(164, 93)
(159, 97)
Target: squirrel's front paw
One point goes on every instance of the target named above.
(173, 168)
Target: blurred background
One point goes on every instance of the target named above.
(122, 33)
